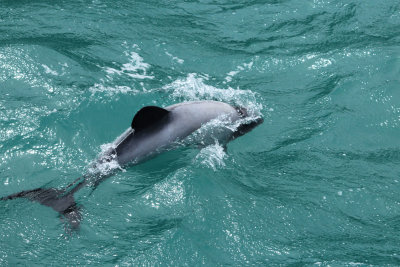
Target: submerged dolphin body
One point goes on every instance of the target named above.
(152, 131)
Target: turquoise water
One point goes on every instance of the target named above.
(316, 184)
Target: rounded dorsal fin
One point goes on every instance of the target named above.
(148, 116)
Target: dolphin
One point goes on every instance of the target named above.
(152, 131)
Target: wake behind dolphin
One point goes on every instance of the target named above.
(152, 131)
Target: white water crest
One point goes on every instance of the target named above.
(135, 67)
(193, 87)
(212, 156)
(111, 90)
(124, 78)
(242, 67)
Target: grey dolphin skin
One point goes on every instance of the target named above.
(152, 131)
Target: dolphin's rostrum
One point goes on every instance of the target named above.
(152, 131)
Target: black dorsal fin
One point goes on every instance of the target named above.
(148, 116)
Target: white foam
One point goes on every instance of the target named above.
(321, 63)
(242, 67)
(49, 71)
(212, 156)
(111, 90)
(193, 87)
(106, 162)
(118, 80)
(135, 68)
(174, 58)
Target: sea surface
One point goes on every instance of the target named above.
(318, 183)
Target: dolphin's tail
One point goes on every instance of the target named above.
(61, 201)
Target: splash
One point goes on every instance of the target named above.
(193, 88)
(212, 156)
(106, 162)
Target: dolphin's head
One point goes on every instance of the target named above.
(247, 126)
(242, 111)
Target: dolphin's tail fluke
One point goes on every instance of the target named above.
(61, 201)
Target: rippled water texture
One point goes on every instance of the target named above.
(316, 183)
